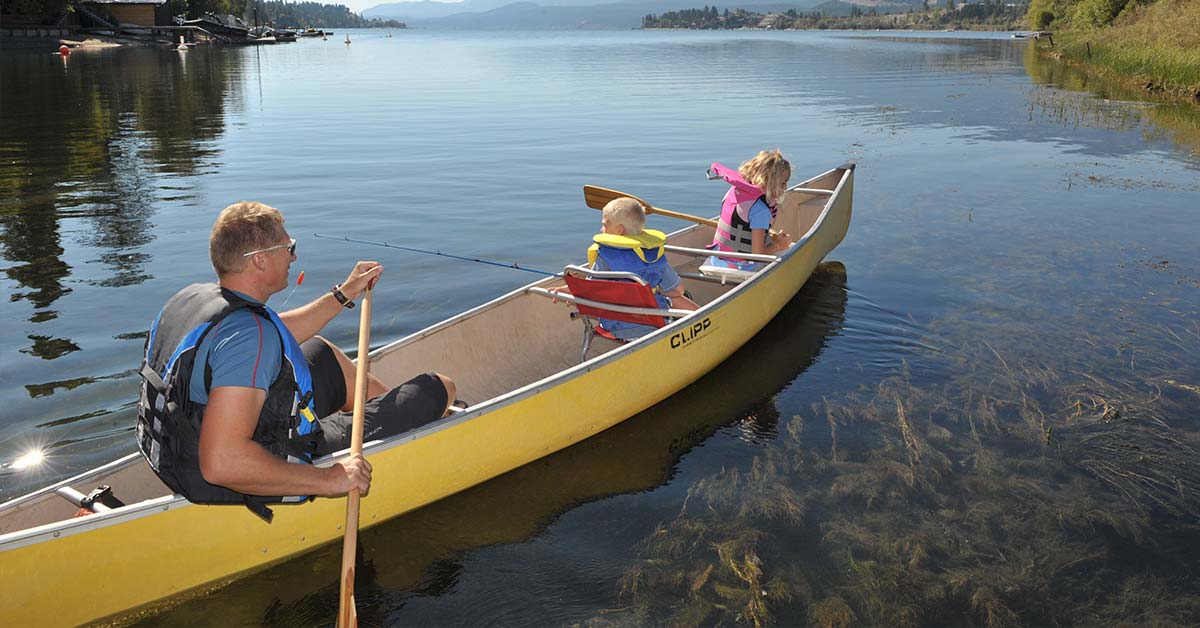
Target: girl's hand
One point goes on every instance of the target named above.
(780, 240)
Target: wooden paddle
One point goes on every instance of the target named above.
(598, 197)
(347, 613)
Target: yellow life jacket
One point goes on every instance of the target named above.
(647, 245)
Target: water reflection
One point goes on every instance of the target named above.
(1115, 107)
(90, 153)
(977, 86)
(420, 554)
(49, 348)
(86, 143)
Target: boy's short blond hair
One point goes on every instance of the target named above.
(770, 172)
(626, 212)
(240, 228)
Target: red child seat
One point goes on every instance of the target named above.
(614, 295)
(630, 292)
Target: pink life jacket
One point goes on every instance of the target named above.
(733, 228)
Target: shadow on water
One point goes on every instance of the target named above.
(421, 552)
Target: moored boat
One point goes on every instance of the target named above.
(516, 360)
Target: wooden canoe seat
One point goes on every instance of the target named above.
(615, 295)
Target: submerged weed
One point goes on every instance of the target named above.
(1011, 492)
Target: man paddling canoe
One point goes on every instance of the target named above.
(234, 392)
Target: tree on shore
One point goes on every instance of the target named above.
(279, 12)
(1083, 14)
(989, 14)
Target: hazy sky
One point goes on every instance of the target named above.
(359, 5)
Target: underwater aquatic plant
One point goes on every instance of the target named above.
(1004, 493)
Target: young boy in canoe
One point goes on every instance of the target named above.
(624, 244)
(748, 209)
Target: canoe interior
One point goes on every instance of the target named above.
(511, 342)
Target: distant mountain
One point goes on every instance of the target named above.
(428, 9)
(837, 7)
(552, 14)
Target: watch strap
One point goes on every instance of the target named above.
(341, 298)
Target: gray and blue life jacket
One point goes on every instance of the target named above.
(168, 424)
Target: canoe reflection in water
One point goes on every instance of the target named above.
(420, 554)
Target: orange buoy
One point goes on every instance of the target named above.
(64, 50)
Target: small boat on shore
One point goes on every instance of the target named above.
(516, 361)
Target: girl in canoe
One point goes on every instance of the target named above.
(748, 209)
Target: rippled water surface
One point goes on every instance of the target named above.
(981, 411)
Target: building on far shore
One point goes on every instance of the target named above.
(135, 12)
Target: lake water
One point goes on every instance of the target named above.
(983, 410)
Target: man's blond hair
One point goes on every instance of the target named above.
(626, 212)
(242, 227)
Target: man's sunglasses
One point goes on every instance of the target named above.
(290, 246)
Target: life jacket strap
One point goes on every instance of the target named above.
(153, 379)
(259, 509)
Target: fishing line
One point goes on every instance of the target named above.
(299, 280)
(513, 266)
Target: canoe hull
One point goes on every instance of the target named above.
(134, 556)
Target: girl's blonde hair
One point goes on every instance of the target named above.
(770, 172)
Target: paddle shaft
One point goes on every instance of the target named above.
(597, 197)
(347, 614)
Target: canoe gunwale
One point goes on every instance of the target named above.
(66, 527)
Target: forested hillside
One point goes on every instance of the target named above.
(278, 12)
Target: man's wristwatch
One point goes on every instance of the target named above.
(337, 294)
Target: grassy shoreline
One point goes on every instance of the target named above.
(1153, 48)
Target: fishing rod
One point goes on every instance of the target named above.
(428, 252)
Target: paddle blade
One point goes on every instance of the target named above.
(347, 613)
(597, 197)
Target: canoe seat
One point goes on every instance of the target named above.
(726, 274)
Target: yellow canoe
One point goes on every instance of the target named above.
(515, 360)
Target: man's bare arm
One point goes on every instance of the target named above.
(229, 456)
(305, 321)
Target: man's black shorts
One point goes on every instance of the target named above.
(414, 403)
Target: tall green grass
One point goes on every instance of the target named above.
(1157, 43)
